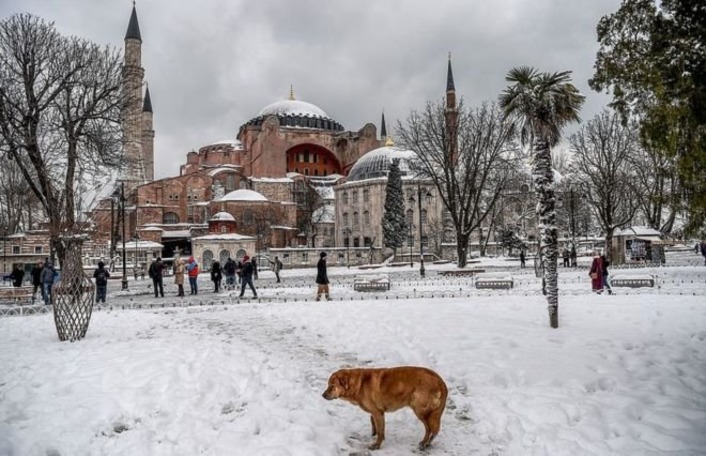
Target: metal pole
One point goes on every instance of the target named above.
(411, 245)
(573, 221)
(421, 243)
(112, 229)
(122, 211)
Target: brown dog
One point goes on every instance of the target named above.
(385, 390)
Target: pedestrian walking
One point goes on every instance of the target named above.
(254, 268)
(36, 274)
(216, 276)
(229, 271)
(48, 276)
(155, 273)
(522, 258)
(101, 276)
(565, 256)
(606, 277)
(572, 255)
(322, 278)
(596, 274)
(192, 269)
(276, 267)
(703, 251)
(17, 276)
(179, 271)
(246, 277)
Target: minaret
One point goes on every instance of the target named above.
(383, 128)
(133, 74)
(148, 137)
(451, 116)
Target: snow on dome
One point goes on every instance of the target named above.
(293, 108)
(377, 162)
(222, 217)
(244, 195)
(236, 144)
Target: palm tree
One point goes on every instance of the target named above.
(541, 104)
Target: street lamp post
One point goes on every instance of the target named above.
(410, 244)
(347, 234)
(122, 215)
(422, 271)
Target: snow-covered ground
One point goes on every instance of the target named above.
(623, 375)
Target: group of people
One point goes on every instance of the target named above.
(569, 257)
(43, 275)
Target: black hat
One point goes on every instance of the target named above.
(323, 254)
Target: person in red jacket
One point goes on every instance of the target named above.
(192, 267)
(596, 273)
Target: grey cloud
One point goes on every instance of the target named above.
(213, 64)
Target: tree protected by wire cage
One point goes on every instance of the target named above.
(72, 295)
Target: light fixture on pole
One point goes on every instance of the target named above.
(347, 241)
(427, 199)
(122, 216)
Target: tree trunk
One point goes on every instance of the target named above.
(73, 295)
(462, 249)
(544, 186)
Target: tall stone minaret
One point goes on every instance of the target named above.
(451, 116)
(133, 171)
(148, 137)
(383, 128)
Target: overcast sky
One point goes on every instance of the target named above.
(213, 64)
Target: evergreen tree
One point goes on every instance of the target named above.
(394, 224)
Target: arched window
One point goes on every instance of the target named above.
(366, 195)
(223, 256)
(240, 254)
(345, 219)
(345, 197)
(224, 229)
(230, 183)
(247, 217)
(366, 218)
(410, 217)
(355, 196)
(356, 220)
(207, 259)
(170, 218)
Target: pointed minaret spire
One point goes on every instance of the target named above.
(147, 105)
(291, 93)
(383, 127)
(133, 27)
(450, 87)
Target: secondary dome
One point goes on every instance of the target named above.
(222, 217)
(377, 162)
(243, 195)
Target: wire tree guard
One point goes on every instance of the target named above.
(73, 295)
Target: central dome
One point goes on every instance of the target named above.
(376, 163)
(293, 108)
(293, 113)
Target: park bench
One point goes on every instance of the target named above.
(461, 272)
(377, 283)
(633, 281)
(16, 295)
(494, 283)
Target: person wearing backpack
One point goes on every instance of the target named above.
(216, 276)
(48, 276)
(276, 267)
(101, 275)
(229, 270)
(192, 268)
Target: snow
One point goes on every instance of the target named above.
(637, 231)
(221, 169)
(224, 237)
(284, 180)
(622, 375)
(244, 195)
(376, 163)
(223, 216)
(294, 108)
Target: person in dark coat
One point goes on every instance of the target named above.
(703, 251)
(276, 267)
(48, 276)
(522, 258)
(573, 256)
(17, 276)
(229, 271)
(155, 273)
(596, 274)
(36, 274)
(606, 278)
(254, 268)
(246, 277)
(216, 276)
(101, 275)
(322, 278)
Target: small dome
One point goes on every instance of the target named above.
(222, 217)
(377, 162)
(244, 195)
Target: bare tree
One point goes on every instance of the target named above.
(471, 178)
(309, 201)
(60, 105)
(604, 166)
(657, 187)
